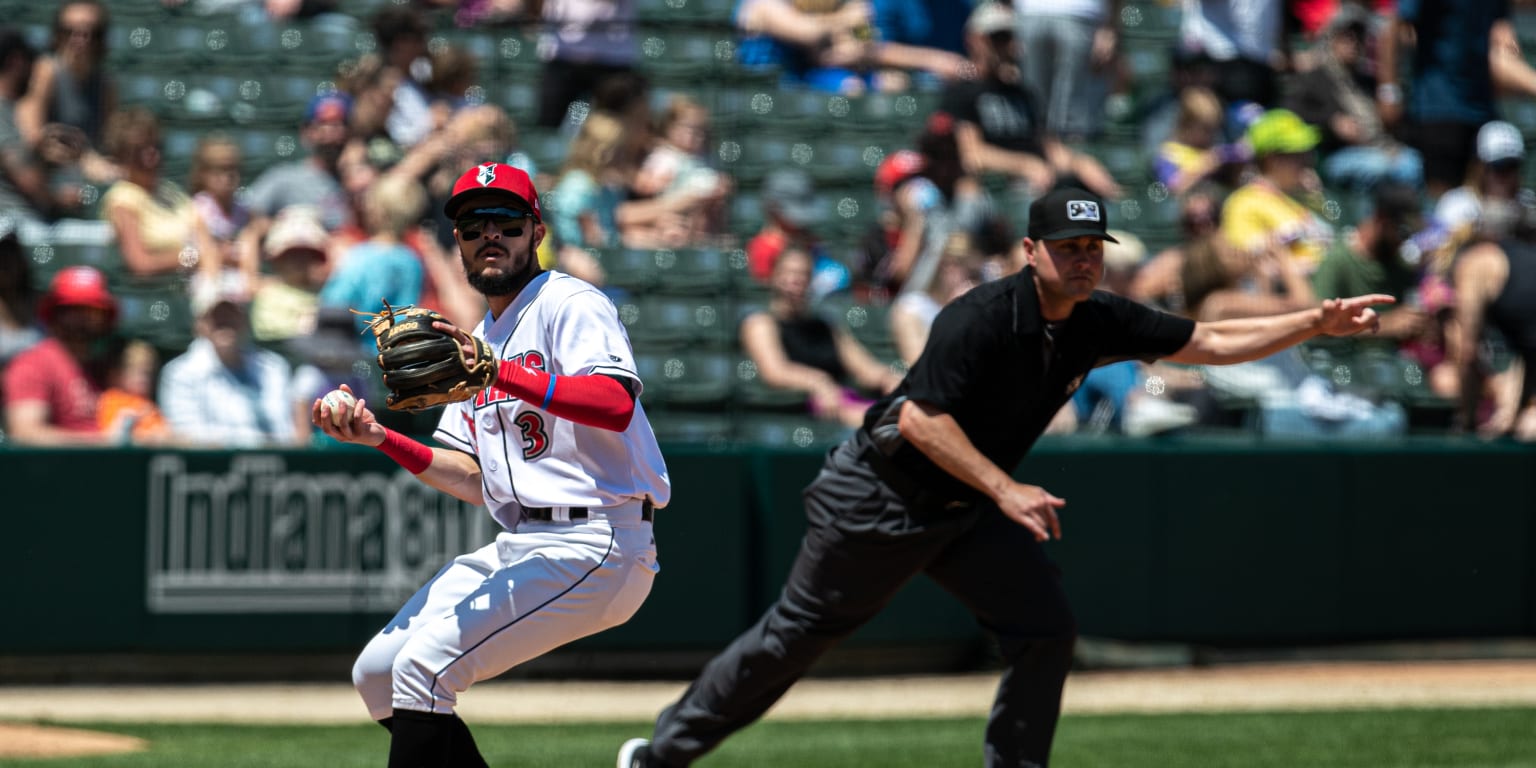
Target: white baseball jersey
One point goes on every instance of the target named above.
(530, 458)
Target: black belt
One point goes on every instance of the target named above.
(546, 514)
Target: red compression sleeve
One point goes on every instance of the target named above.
(593, 400)
(406, 452)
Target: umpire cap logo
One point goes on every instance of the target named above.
(1082, 210)
(487, 174)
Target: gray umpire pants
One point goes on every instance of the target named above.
(862, 544)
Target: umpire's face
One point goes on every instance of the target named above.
(1068, 269)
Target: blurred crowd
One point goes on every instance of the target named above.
(1310, 148)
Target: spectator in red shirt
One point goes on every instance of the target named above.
(49, 398)
(790, 215)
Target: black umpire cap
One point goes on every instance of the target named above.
(1068, 212)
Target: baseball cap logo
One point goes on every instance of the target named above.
(487, 174)
(1082, 210)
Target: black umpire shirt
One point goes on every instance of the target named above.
(995, 365)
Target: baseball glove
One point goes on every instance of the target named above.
(425, 366)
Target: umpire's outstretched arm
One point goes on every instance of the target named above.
(1239, 340)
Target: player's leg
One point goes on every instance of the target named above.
(556, 583)
(372, 673)
(1002, 574)
(430, 739)
(846, 571)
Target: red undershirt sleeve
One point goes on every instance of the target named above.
(594, 400)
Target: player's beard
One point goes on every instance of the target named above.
(505, 283)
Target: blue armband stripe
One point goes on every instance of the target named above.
(549, 394)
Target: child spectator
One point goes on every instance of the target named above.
(383, 266)
(1193, 154)
(127, 409)
(233, 265)
(678, 166)
(285, 305)
(1277, 206)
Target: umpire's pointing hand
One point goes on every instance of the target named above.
(1034, 508)
(1345, 317)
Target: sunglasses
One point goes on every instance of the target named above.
(508, 222)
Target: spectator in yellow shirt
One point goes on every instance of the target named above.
(1269, 211)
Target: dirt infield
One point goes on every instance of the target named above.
(26, 740)
(1226, 688)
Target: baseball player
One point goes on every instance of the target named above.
(926, 485)
(558, 450)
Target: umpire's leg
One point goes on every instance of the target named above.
(848, 568)
(1001, 573)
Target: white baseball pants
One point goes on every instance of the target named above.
(515, 599)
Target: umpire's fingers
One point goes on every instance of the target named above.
(1052, 522)
(1053, 503)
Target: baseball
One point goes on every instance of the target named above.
(340, 402)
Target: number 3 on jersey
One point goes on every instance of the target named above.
(535, 436)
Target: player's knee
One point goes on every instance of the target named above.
(417, 683)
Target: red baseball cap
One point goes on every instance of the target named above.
(78, 287)
(493, 176)
(896, 168)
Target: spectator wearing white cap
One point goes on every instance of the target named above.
(1493, 175)
(286, 304)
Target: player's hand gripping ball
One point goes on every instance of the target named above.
(340, 402)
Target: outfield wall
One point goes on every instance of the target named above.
(1201, 541)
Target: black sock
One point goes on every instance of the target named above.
(421, 740)
(465, 753)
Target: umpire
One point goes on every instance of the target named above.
(926, 486)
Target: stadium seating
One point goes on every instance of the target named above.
(670, 323)
(680, 306)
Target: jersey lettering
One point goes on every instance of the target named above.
(532, 358)
(535, 436)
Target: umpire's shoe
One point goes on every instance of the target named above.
(636, 753)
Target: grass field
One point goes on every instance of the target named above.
(1394, 738)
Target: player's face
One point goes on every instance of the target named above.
(1070, 268)
(498, 245)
